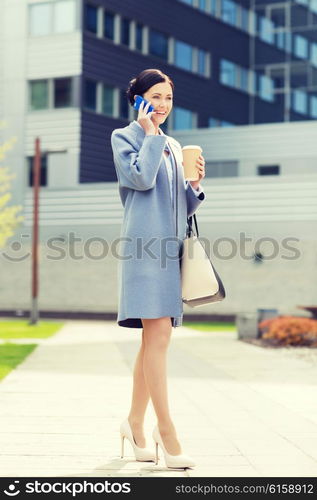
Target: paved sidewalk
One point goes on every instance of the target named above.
(239, 409)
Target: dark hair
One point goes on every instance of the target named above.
(145, 80)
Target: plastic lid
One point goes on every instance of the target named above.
(192, 146)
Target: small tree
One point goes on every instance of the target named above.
(9, 218)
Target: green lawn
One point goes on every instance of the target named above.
(19, 328)
(209, 326)
(12, 354)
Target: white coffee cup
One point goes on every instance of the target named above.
(191, 154)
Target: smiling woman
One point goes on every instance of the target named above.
(156, 87)
(157, 201)
(160, 97)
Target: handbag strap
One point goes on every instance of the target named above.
(190, 225)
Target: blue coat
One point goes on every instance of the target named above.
(153, 227)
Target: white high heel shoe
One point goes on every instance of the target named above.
(172, 461)
(141, 454)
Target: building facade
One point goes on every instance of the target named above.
(233, 63)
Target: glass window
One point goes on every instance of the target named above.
(39, 94)
(40, 16)
(252, 22)
(222, 168)
(165, 125)
(61, 13)
(62, 92)
(125, 31)
(123, 105)
(158, 45)
(313, 106)
(202, 57)
(313, 53)
(252, 81)
(189, 2)
(280, 40)
(139, 36)
(224, 123)
(299, 101)
(91, 95)
(202, 5)
(300, 46)
(182, 119)
(228, 73)
(107, 100)
(43, 170)
(213, 122)
(108, 26)
(244, 19)
(91, 18)
(265, 29)
(268, 169)
(229, 12)
(266, 88)
(213, 6)
(313, 6)
(183, 55)
(288, 42)
(64, 16)
(244, 79)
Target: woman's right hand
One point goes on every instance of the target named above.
(144, 118)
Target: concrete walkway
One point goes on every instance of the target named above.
(239, 409)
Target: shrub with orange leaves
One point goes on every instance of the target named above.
(289, 330)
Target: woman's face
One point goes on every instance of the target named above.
(161, 97)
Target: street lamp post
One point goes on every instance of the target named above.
(34, 313)
(35, 236)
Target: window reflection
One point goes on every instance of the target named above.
(183, 55)
(313, 106)
(125, 31)
(202, 62)
(229, 12)
(182, 119)
(43, 170)
(158, 44)
(123, 105)
(62, 92)
(39, 94)
(228, 73)
(64, 16)
(299, 101)
(108, 29)
(107, 100)
(300, 46)
(91, 18)
(139, 37)
(90, 100)
(266, 88)
(40, 17)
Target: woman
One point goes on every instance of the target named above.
(157, 201)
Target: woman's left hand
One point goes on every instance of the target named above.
(200, 165)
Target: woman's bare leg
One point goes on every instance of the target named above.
(157, 333)
(140, 399)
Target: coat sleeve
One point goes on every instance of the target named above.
(137, 169)
(194, 198)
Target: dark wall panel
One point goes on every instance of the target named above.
(96, 154)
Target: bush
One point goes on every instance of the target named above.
(289, 330)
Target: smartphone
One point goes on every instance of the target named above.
(138, 101)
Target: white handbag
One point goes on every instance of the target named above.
(201, 283)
